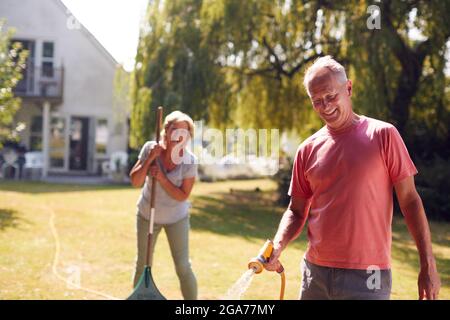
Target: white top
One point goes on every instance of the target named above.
(167, 209)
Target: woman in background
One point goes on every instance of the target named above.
(175, 169)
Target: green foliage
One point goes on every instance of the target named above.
(283, 180)
(218, 60)
(12, 62)
(433, 184)
(172, 64)
(398, 71)
(241, 63)
(121, 97)
(141, 118)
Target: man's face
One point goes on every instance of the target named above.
(331, 99)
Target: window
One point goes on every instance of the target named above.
(48, 53)
(36, 133)
(101, 136)
(48, 50)
(47, 69)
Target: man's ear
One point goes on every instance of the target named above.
(349, 88)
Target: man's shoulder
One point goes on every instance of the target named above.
(378, 124)
(317, 138)
(380, 128)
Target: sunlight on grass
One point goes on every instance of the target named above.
(230, 221)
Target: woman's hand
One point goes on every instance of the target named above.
(156, 172)
(155, 152)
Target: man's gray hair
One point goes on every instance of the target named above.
(325, 62)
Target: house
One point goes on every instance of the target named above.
(67, 90)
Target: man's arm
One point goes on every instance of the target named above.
(291, 225)
(416, 220)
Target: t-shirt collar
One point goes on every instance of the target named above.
(354, 124)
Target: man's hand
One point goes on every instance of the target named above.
(274, 264)
(429, 282)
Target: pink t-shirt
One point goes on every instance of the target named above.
(350, 177)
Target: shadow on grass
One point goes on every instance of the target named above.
(404, 249)
(36, 187)
(9, 219)
(254, 215)
(247, 214)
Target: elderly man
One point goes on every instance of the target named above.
(342, 182)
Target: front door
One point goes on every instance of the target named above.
(79, 135)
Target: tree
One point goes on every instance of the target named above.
(400, 68)
(242, 63)
(121, 99)
(12, 62)
(173, 67)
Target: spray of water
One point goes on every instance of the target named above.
(240, 286)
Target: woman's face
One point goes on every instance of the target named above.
(177, 133)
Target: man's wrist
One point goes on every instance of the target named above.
(278, 244)
(427, 261)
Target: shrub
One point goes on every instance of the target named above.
(283, 180)
(433, 185)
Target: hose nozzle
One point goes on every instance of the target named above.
(257, 263)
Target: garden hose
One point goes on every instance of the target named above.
(283, 284)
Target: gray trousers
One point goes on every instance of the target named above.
(178, 238)
(324, 283)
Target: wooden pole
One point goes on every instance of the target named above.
(149, 258)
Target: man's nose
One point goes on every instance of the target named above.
(325, 104)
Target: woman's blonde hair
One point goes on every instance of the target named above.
(177, 116)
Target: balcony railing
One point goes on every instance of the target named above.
(41, 83)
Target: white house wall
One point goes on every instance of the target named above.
(88, 69)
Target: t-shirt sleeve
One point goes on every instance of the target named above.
(398, 161)
(190, 171)
(145, 151)
(299, 186)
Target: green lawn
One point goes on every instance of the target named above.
(95, 230)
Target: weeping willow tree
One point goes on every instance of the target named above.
(174, 67)
(12, 62)
(228, 62)
(241, 63)
(399, 70)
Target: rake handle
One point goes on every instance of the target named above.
(149, 257)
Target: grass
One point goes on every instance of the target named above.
(96, 232)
